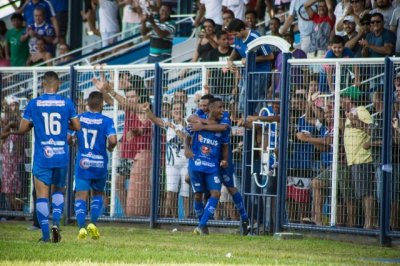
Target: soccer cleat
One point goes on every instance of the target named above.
(55, 234)
(245, 228)
(200, 231)
(82, 233)
(93, 231)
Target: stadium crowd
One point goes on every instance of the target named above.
(349, 29)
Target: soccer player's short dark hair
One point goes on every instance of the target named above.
(337, 39)
(95, 100)
(17, 16)
(50, 76)
(41, 9)
(221, 33)
(236, 25)
(214, 100)
(207, 97)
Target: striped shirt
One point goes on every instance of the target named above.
(158, 45)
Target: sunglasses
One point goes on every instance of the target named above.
(376, 21)
(354, 1)
(366, 23)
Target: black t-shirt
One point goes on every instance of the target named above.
(221, 79)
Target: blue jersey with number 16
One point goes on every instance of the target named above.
(92, 159)
(50, 115)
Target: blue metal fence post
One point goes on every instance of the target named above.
(386, 153)
(156, 145)
(283, 142)
(246, 158)
(69, 205)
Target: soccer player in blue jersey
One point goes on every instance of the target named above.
(198, 122)
(50, 115)
(204, 149)
(96, 136)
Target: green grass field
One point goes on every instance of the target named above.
(131, 244)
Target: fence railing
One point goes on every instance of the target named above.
(323, 191)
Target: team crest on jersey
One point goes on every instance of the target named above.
(226, 178)
(205, 150)
(197, 162)
(216, 180)
(48, 152)
(84, 163)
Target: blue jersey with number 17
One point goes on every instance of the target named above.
(50, 115)
(92, 159)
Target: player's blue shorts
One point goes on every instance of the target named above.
(202, 182)
(51, 176)
(84, 184)
(227, 176)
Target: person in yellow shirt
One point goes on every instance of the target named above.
(356, 134)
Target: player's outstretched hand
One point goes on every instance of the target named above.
(223, 164)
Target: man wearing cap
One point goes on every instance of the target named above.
(352, 37)
(356, 135)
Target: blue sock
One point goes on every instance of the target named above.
(57, 202)
(199, 209)
(238, 200)
(80, 212)
(42, 213)
(208, 211)
(96, 207)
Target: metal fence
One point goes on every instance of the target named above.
(322, 185)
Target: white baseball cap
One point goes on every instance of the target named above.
(349, 19)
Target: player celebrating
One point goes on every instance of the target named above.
(91, 163)
(204, 161)
(50, 115)
(199, 122)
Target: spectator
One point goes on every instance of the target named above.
(221, 81)
(297, 73)
(108, 21)
(396, 83)
(89, 15)
(274, 25)
(207, 41)
(385, 8)
(176, 169)
(61, 10)
(338, 50)
(63, 50)
(28, 10)
(17, 51)
(251, 20)
(356, 134)
(351, 36)
(227, 17)
(395, 27)
(395, 196)
(305, 26)
(323, 21)
(357, 9)
(238, 7)
(40, 56)
(210, 9)
(380, 42)
(162, 32)
(130, 18)
(264, 56)
(13, 152)
(136, 145)
(3, 37)
(40, 29)
(340, 12)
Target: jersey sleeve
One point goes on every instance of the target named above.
(72, 112)
(110, 128)
(226, 120)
